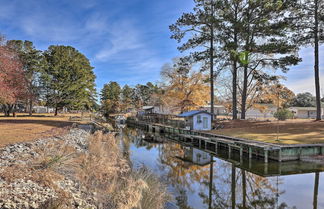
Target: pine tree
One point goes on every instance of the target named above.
(309, 28)
(266, 43)
(201, 25)
(110, 98)
(68, 79)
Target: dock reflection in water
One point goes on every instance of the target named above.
(199, 179)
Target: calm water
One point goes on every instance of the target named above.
(198, 179)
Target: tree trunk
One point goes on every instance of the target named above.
(316, 64)
(8, 109)
(30, 107)
(244, 92)
(234, 83)
(56, 109)
(14, 110)
(212, 74)
(245, 73)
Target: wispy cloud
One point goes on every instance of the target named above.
(123, 38)
(301, 78)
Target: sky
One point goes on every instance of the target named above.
(126, 41)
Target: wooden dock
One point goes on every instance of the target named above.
(245, 148)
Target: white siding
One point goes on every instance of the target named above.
(256, 113)
(200, 157)
(304, 112)
(199, 125)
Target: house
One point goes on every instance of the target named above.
(304, 112)
(42, 109)
(218, 109)
(197, 119)
(155, 110)
(261, 111)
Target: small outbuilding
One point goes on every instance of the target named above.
(197, 120)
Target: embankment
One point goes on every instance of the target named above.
(75, 170)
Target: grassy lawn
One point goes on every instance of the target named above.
(26, 128)
(296, 131)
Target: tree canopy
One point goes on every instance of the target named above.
(68, 78)
(304, 100)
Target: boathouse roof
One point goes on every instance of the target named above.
(192, 113)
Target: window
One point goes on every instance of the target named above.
(198, 118)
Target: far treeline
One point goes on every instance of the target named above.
(248, 41)
(59, 77)
(180, 91)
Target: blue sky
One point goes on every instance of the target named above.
(126, 41)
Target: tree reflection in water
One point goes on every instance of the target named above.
(220, 184)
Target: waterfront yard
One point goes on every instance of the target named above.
(297, 131)
(25, 128)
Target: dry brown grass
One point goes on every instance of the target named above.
(20, 130)
(28, 128)
(297, 131)
(102, 174)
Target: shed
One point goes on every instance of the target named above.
(197, 119)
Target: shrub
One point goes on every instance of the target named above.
(283, 114)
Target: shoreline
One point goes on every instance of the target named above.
(75, 170)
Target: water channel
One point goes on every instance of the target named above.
(198, 179)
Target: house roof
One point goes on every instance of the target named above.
(147, 107)
(215, 106)
(303, 108)
(192, 113)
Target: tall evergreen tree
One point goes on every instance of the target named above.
(309, 26)
(200, 25)
(110, 98)
(265, 43)
(68, 79)
(127, 93)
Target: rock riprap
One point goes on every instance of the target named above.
(26, 193)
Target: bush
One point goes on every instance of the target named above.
(283, 114)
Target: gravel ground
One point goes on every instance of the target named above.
(25, 193)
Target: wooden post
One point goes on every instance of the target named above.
(266, 168)
(266, 156)
(279, 155)
(216, 148)
(241, 154)
(250, 152)
(229, 151)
